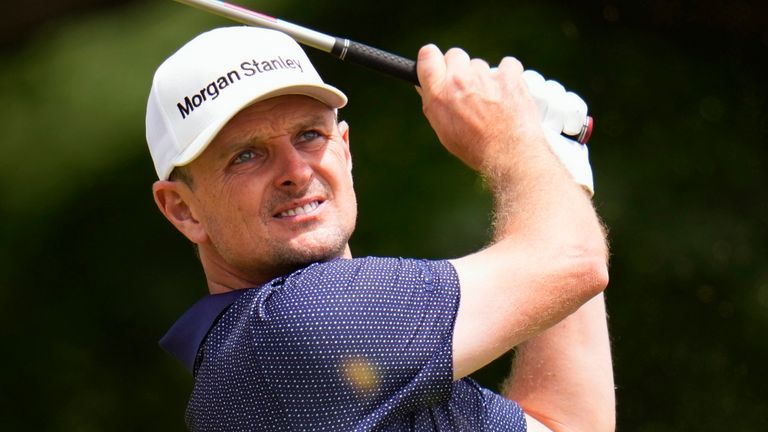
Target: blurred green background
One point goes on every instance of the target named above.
(91, 275)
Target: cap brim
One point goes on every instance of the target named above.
(324, 93)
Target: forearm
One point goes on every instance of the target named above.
(540, 212)
(536, 201)
(489, 121)
(549, 252)
(563, 377)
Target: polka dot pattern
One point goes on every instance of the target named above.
(348, 345)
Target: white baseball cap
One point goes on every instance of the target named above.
(199, 88)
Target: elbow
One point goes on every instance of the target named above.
(594, 254)
(596, 275)
(590, 274)
(576, 277)
(583, 262)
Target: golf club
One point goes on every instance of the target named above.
(344, 49)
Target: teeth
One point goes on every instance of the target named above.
(307, 208)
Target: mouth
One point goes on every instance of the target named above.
(300, 210)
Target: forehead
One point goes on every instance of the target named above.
(262, 121)
(273, 117)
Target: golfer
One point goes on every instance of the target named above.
(255, 169)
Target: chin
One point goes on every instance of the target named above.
(291, 256)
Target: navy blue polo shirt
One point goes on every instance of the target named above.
(348, 345)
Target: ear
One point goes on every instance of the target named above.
(344, 132)
(173, 198)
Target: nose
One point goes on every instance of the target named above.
(293, 170)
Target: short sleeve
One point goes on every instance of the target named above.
(357, 341)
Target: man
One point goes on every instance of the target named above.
(255, 170)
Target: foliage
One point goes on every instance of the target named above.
(92, 275)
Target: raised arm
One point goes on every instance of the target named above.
(563, 377)
(549, 254)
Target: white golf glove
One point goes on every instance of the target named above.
(562, 112)
(575, 157)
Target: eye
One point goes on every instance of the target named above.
(311, 140)
(309, 135)
(243, 157)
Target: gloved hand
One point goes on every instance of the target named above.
(562, 112)
(575, 157)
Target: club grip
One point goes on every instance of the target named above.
(376, 59)
(405, 69)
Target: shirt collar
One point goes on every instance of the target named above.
(184, 338)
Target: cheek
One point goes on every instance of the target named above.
(233, 210)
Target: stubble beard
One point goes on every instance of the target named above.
(285, 257)
(324, 244)
(275, 258)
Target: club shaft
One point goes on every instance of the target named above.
(344, 49)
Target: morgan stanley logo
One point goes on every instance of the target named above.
(247, 68)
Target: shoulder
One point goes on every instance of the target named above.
(386, 270)
(371, 277)
(356, 293)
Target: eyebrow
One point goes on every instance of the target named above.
(246, 139)
(314, 121)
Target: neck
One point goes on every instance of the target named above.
(222, 278)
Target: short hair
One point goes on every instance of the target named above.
(182, 174)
